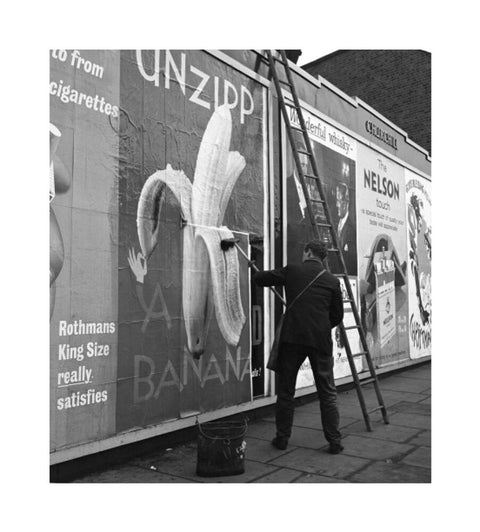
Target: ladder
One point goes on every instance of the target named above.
(306, 149)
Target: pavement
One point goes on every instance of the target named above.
(399, 452)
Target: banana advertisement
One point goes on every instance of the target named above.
(156, 159)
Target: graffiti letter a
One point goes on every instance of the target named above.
(149, 312)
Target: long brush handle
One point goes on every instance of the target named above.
(254, 266)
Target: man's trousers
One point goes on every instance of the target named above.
(291, 358)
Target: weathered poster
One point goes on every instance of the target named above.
(191, 176)
(341, 366)
(84, 108)
(157, 189)
(419, 222)
(335, 155)
(382, 256)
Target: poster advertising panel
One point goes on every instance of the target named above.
(382, 256)
(335, 154)
(84, 103)
(151, 315)
(419, 227)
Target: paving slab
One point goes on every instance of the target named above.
(280, 476)
(404, 384)
(419, 373)
(262, 450)
(351, 405)
(424, 439)
(301, 418)
(320, 463)
(419, 457)
(310, 413)
(411, 420)
(262, 429)
(309, 478)
(392, 473)
(182, 462)
(412, 408)
(130, 474)
(303, 437)
(381, 431)
(374, 449)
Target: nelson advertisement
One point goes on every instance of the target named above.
(156, 158)
(335, 154)
(419, 230)
(382, 256)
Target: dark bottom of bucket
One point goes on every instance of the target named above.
(218, 472)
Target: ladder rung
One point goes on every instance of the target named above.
(278, 59)
(361, 354)
(305, 152)
(341, 275)
(348, 300)
(318, 201)
(364, 382)
(312, 177)
(284, 82)
(376, 409)
(333, 250)
(351, 327)
(319, 224)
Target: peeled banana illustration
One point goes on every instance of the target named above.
(211, 280)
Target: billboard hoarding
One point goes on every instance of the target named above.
(166, 154)
(419, 222)
(382, 256)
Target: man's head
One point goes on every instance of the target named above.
(342, 198)
(314, 249)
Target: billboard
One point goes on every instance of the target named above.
(419, 227)
(335, 155)
(382, 256)
(156, 158)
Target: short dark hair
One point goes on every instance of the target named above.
(318, 248)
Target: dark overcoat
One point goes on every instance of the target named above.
(310, 321)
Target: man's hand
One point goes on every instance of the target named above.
(138, 268)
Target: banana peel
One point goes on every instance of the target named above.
(211, 280)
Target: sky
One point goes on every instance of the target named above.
(310, 54)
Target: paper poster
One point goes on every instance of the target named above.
(156, 158)
(419, 219)
(382, 256)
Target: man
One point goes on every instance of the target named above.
(307, 332)
(346, 229)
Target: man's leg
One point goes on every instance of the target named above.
(291, 358)
(322, 367)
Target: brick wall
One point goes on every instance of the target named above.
(397, 83)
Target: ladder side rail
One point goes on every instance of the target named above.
(333, 234)
(292, 142)
(356, 379)
(313, 162)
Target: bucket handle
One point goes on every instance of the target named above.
(220, 437)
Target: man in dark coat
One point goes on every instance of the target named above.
(307, 332)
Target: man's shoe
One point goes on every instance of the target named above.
(280, 443)
(335, 448)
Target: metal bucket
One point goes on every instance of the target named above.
(221, 448)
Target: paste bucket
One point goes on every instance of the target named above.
(221, 448)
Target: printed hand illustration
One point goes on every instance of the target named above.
(60, 180)
(139, 269)
(211, 280)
